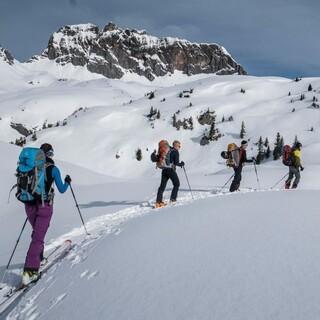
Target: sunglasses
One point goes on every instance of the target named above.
(50, 153)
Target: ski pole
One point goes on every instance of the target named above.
(280, 180)
(14, 250)
(255, 169)
(227, 182)
(77, 205)
(184, 169)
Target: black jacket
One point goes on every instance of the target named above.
(174, 158)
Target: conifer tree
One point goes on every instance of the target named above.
(243, 130)
(310, 87)
(260, 155)
(174, 120)
(277, 147)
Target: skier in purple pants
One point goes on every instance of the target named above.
(39, 215)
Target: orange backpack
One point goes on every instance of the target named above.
(163, 150)
(232, 147)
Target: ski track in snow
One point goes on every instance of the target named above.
(100, 227)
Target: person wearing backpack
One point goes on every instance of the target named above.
(239, 156)
(295, 166)
(168, 161)
(39, 213)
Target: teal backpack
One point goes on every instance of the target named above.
(31, 176)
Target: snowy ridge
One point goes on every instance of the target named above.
(6, 56)
(115, 52)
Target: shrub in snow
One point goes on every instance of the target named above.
(34, 137)
(242, 90)
(139, 154)
(310, 87)
(207, 118)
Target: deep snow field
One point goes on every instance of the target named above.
(249, 255)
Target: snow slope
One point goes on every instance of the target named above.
(210, 259)
(251, 255)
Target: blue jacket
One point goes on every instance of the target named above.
(53, 175)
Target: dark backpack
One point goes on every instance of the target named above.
(287, 155)
(154, 157)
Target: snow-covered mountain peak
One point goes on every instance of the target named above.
(6, 56)
(114, 52)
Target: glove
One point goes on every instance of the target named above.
(182, 164)
(302, 168)
(67, 179)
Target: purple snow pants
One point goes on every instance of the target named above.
(39, 217)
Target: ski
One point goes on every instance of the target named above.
(13, 293)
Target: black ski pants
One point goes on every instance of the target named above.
(168, 173)
(236, 179)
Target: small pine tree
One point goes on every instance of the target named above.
(242, 90)
(190, 123)
(277, 147)
(266, 142)
(311, 129)
(214, 133)
(230, 118)
(281, 145)
(243, 130)
(310, 87)
(289, 94)
(314, 99)
(151, 95)
(174, 120)
(293, 110)
(158, 114)
(223, 119)
(139, 154)
(268, 152)
(260, 155)
(302, 97)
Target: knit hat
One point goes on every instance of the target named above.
(47, 149)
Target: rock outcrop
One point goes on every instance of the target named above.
(113, 52)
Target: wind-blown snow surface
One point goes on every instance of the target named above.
(251, 255)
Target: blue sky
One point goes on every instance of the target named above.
(274, 37)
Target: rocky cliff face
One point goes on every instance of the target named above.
(113, 52)
(6, 56)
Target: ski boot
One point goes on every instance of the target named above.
(160, 204)
(29, 276)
